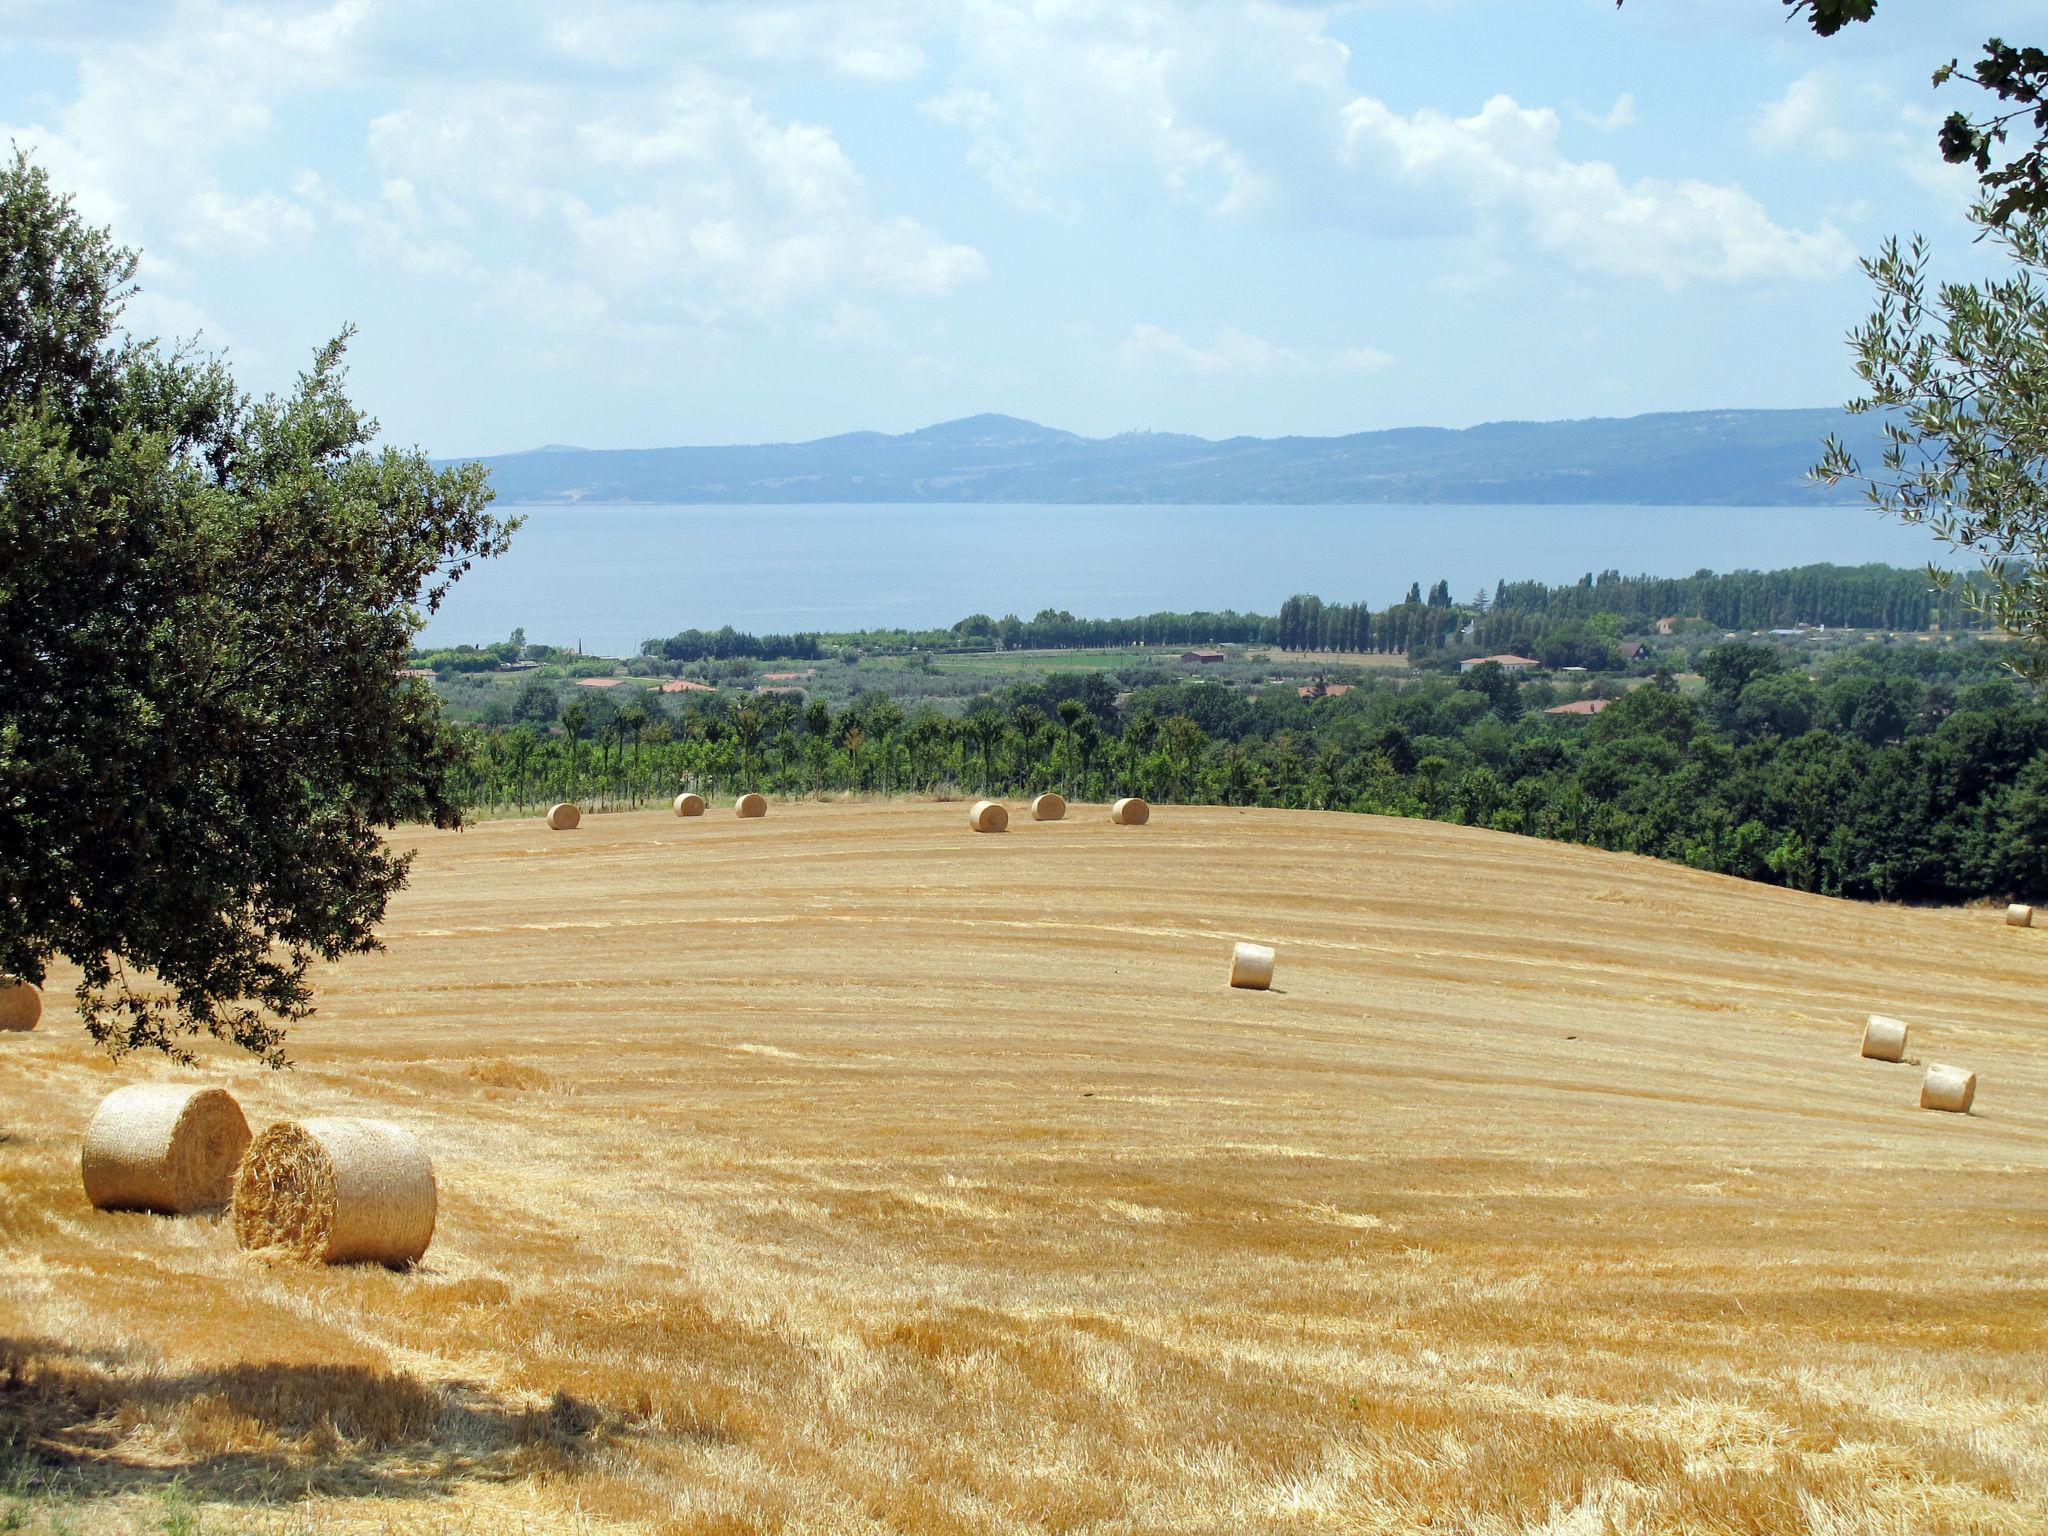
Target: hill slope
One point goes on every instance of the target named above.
(1756, 458)
(847, 1171)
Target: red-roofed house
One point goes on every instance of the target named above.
(1508, 663)
(1578, 707)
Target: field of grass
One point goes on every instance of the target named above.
(849, 1172)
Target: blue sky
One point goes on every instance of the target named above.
(636, 223)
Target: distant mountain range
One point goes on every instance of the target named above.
(1687, 458)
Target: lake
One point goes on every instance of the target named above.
(609, 577)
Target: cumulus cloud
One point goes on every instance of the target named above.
(1238, 107)
(568, 167)
(1837, 114)
(1504, 161)
(204, 82)
(693, 202)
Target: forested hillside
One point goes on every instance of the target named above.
(1734, 458)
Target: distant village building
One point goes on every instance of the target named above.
(1630, 649)
(1508, 663)
(1578, 707)
(415, 671)
(1666, 626)
(1201, 656)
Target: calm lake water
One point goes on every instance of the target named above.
(610, 577)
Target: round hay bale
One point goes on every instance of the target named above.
(1049, 807)
(337, 1190)
(1130, 812)
(165, 1147)
(21, 1003)
(689, 803)
(563, 817)
(2019, 916)
(989, 816)
(1251, 966)
(750, 805)
(1884, 1039)
(1949, 1088)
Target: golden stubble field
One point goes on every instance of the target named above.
(849, 1172)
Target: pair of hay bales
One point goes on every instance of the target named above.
(332, 1190)
(21, 1004)
(1953, 1089)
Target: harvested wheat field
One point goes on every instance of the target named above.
(850, 1172)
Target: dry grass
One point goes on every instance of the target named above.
(866, 1175)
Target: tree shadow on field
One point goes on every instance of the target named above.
(77, 1422)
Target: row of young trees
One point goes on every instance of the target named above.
(1516, 615)
(1897, 773)
(726, 643)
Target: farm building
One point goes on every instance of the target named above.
(1508, 663)
(1201, 656)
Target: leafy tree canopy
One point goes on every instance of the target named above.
(1963, 377)
(204, 602)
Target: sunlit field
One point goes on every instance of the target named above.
(847, 1171)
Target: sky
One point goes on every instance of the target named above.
(632, 223)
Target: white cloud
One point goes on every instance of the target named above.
(1839, 114)
(689, 203)
(1503, 161)
(1617, 117)
(139, 142)
(1233, 353)
(1236, 106)
(1044, 88)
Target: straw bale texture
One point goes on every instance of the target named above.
(1049, 807)
(752, 805)
(2019, 916)
(21, 1004)
(337, 1190)
(166, 1147)
(562, 817)
(689, 804)
(1884, 1039)
(1130, 812)
(989, 816)
(1251, 966)
(1950, 1088)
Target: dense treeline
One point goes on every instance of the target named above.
(1911, 772)
(1518, 616)
(726, 643)
(1838, 596)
